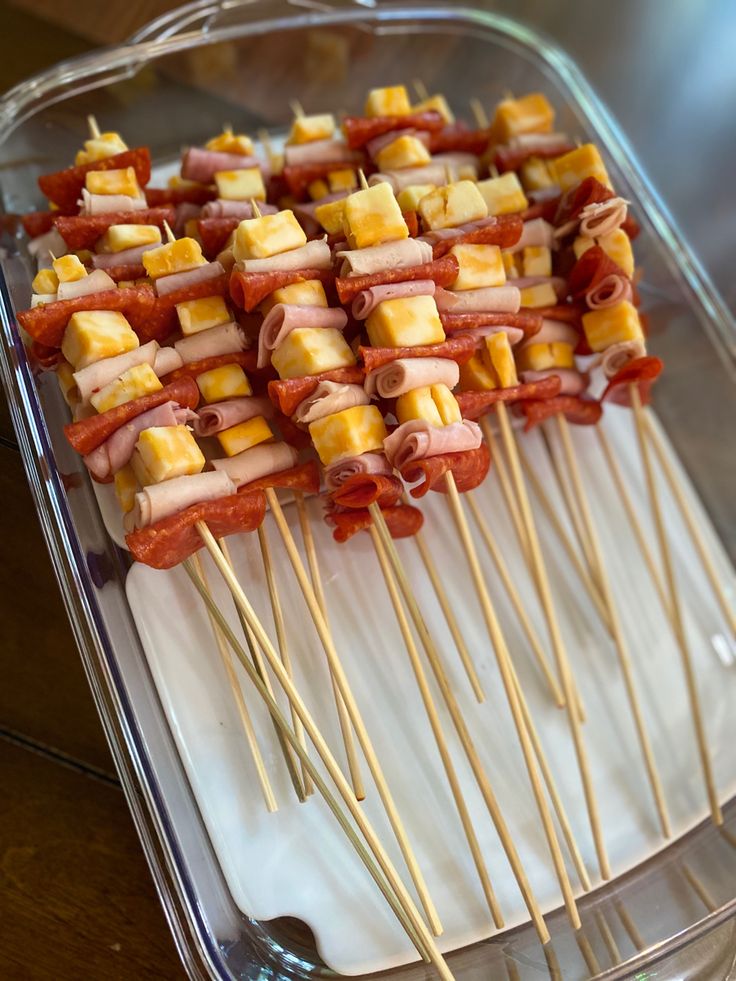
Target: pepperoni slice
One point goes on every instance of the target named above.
(38, 223)
(168, 542)
(363, 489)
(248, 289)
(213, 234)
(580, 412)
(443, 271)
(82, 231)
(592, 267)
(158, 196)
(45, 357)
(246, 360)
(508, 158)
(473, 405)
(588, 191)
(568, 313)
(642, 372)
(504, 232)
(530, 321)
(64, 187)
(402, 520)
(542, 209)
(458, 349)
(458, 138)
(469, 469)
(287, 393)
(304, 477)
(360, 130)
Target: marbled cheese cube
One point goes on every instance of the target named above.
(318, 189)
(535, 175)
(451, 205)
(174, 257)
(480, 266)
(140, 472)
(475, 376)
(373, 216)
(531, 113)
(120, 237)
(246, 434)
(229, 381)
(503, 195)
(306, 129)
(123, 181)
(511, 264)
(331, 215)
(132, 384)
(240, 185)
(69, 269)
(390, 101)
(499, 359)
(310, 351)
(169, 451)
(201, 314)
(405, 322)
(269, 235)
(344, 179)
(65, 377)
(410, 197)
(536, 260)
(436, 103)
(612, 326)
(126, 487)
(542, 357)
(229, 142)
(446, 404)
(92, 335)
(541, 295)
(418, 404)
(309, 293)
(99, 148)
(404, 151)
(584, 161)
(45, 281)
(348, 433)
(617, 245)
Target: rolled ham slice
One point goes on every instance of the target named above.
(571, 382)
(536, 142)
(212, 419)
(610, 291)
(314, 255)
(537, 232)
(96, 282)
(103, 204)
(390, 255)
(617, 356)
(128, 257)
(558, 284)
(201, 165)
(514, 334)
(158, 501)
(367, 463)
(320, 151)
(183, 280)
(285, 317)
(432, 173)
(405, 374)
(112, 455)
(259, 461)
(225, 339)
(377, 144)
(555, 331)
(221, 208)
(367, 300)
(488, 299)
(457, 162)
(417, 440)
(41, 245)
(185, 211)
(603, 218)
(167, 360)
(327, 398)
(100, 373)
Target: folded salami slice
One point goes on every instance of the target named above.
(502, 230)
(126, 274)
(282, 318)
(298, 177)
(82, 231)
(248, 289)
(489, 299)
(65, 186)
(367, 300)
(212, 419)
(457, 137)
(568, 313)
(287, 393)
(167, 543)
(578, 411)
(405, 374)
(196, 194)
(360, 130)
(47, 323)
(246, 360)
(469, 468)
(588, 191)
(303, 477)
(442, 272)
(214, 232)
(403, 521)
(37, 223)
(363, 489)
(339, 473)
(642, 372)
(527, 320)
(543, 208)
(459, 349)
(473, 405)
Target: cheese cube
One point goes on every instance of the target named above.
(541, 295)
(617, 245)
(174, 257)
(536, 260)
(120, 237)
(542, 357)
(475, 376)
(584, 161)
(69, 269)
(92, 335)
(612, 326)
(438, 103)
(331, 215)
(499, 359)
(446, 404)
(311, 350)
(196, 315)
(480, 266)
(105, 145)
(318, 189)
(240, 185)
(132, 384)
(535, 175)
(418, 404)
(126, 487)
(67, 384)
(451, 205)
(229, 142)
(123, 181)
(310, 293)
(305, 129)
(45, 281)
(344, 179)
(410, 197)
(140, 472)
(373, 216)
(348, 433)
(169, 451)
(229, 381)
(503, 195)
(530, 114)
(261, 238)
(405, 322)
(246, 434)
(581, 244)
(177, 182)
(390, 101)
(404, 151)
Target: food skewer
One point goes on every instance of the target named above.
(608, 938)
(504, 481)
(698, 888)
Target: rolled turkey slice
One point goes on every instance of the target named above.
(167, 360)
(487, 299)
(417, 440)
(558, 284)
(112, 455)
(212, 419)
(617, 356)
(555, 331)
(285, 317)
(367, 463)
(259, 461)
(222, 208)
(514, 334)
(158, 501)
(610, 291)
(571, 382)
(320, 151)
(603, 218)
(42, 245)
(201, 165)
(367, 300)
(225, 339)
(103, 204)
(327, 398)
(314, 255)
(432, 173)
(457, 162)
(405, 374)
(182, 280)
(100, 373)
(539, 141)
(390, 255)
(96, 282)
(536, 232)
(128, 257)
(185, 211)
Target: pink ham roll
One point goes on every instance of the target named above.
(320, 151)
(327, 398)
(159, 501)
(603, 218)
(104, 204)
(367, 300)
(457, 161)
(378, 143)
(185, 211)
(96, 282)
(314, 255)
(182, 280)
(610, 291)
(406, 374)
(212, 419)
(285, 317)
(390, 255)
(367, 463)
(558, 284)
(432, 173)
(617, 356)
(554, 332)
(201, 165)
(539, 142)
(225, 339)
(167, 359)
(488, 299)
(514, 334)
(100, 373)
(417, 440)
(128, 257)
(537, 232)
(259, 461)
(221, 208)
(571, 382)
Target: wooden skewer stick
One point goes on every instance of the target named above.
(471, 753)
(421, 89)
(622, 650)
(257, 213)
(563, 665)
(364, 185)
(170, 237)
(355, 717)
(591, 961)
(691, 522)
(94, 129)
(608, 938)
(698, 888)
(436, 727)
(677, 621)
(479, 113)
(342, 712)
(392, 886)
(297, 108)
(273, 157)
(553, 964)
(243, 713)
(512, 690)
(629, 926)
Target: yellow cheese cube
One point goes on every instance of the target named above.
(67, 384)
(480, 266)
(169, 451)
(311, 350)
(105, 145)
(511, 265)
(404, 151)
(331, 215)
(305, 129)
(240, 185)
(92, 335)
(475, 376)
(410, 197)
(451, 205)
(529, 114)
(246, 434)
(126, 487)
(229, 381)
(581, 244)
(69, 269)
(123, 181)
(438, 103)
(536, 260)
(390, 101)
(348, 433)
(344, 179)
(405, 322)
(541, 295)
(503, 195)
(229, 142)
(535, 175)
(132, 384)
(446, 404)
(177, 182)
(617, 245)
(45, 281)
(499, 359)
(584, 161)
(261, 238)
(196, 315)
(612, 326)
(174, 257)
(140, 472)
(418, 404)
(373, 216)
(542, 357)
(318, 189)
(310, 293)
(120, 237)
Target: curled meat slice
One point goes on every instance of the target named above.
(339, 473)
(283, 318)
(159, 501)
(405, 374)
(609, 291)
(418, 439)
(327, 398)
(603, 217)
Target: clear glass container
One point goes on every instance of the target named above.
(241, 62)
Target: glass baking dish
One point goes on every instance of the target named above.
(241, 62)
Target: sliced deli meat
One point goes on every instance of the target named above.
(406, 374)
(159, 501)
(327, 398)
(259, 461)
(285, 317)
